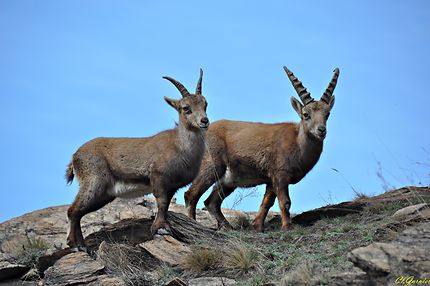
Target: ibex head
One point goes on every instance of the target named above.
(192, 107)
(314, 114)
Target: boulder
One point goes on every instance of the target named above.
(407, 255)
(74, 268)
(10, 270)
(167, 249)
(104, 280)
(352, 278)
(409, 210)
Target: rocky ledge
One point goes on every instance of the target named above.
(119, 234)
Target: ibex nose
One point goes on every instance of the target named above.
(322, 129)
(204, 120)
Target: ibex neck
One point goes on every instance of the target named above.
(310, 148)
(189, 139)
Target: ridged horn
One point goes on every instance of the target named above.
(184, 92)
(305, 96)
(328, 93)
(199, 83)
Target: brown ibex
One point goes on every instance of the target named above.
(107, 168)
(246, 154)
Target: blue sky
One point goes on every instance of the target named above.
(74, 70)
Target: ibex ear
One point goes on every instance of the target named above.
(331, 102)
(297, 106)
(172, 102)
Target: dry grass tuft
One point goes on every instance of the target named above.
(358, 195)
(124, 261)
(241, 221)
(241, 258)
(303, 274)
(202, 259)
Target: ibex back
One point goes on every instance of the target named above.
(107, 168)
(246, 154)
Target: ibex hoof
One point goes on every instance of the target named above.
(79, 249)
(164, 231)
(258, 228)
(225, 226)
(286, 227)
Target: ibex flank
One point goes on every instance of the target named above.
(246, 154)
(107, 168)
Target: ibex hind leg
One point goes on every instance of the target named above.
(91, 197)
(214, 201)
(209, 174)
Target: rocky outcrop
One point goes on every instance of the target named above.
(353, 278)
(50, 224)
(119, 242)
(74, 268)
(9, 270)
(167, 249)
(406, 256)
(411, 210)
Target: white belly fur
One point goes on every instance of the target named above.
(231, 179)
(129, 190)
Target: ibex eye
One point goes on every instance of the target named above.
(187, 109)
(306, 115)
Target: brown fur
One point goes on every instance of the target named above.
(246, 154)
(112, 167)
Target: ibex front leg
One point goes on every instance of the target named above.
(160, 225)
(268, 201)
(282, 193)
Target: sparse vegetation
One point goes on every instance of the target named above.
(202, 259)
(257, 258)
(165, 273)
(241, 221)
(359, 195)
(303, 255)
(124, 261)
(30, 250)
(303, 274)
(241, 258)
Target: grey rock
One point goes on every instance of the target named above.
(50, 224)
(175, 282)
(74, 268)
(167, 249)
(407, 255)
(409, 210)
(10, 270)
(211, 281)
(104, 280)
(353, 278)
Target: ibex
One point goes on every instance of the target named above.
(107, 168)
(246, 154)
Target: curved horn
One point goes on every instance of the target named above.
(328, 93)
(184, 92)
(305, 96)
(199, 83)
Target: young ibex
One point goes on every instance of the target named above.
(246, 154)
(129, 167)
